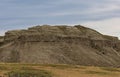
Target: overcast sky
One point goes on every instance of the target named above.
(102, 15)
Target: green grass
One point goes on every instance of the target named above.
(29, 73)
(65, 66)
(97, 72)
(111, 69)
(23, 70)
(3, 68)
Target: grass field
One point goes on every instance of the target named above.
(49, 70)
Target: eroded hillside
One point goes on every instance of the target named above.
(60, 45)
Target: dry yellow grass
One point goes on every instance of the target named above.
(62, 70)
(83, 71)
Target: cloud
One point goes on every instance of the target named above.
(107, 26)
(17, 14)
(2, 32)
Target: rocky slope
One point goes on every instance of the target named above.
(60, 45)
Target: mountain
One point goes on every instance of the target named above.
(61, 44)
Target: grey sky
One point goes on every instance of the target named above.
(102, 15)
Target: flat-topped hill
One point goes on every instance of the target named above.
(60, 45)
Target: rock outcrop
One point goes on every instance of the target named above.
(60, 45)
(1, 40)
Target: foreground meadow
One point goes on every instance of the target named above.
(48, 70)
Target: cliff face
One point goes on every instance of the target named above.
(60, 45)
